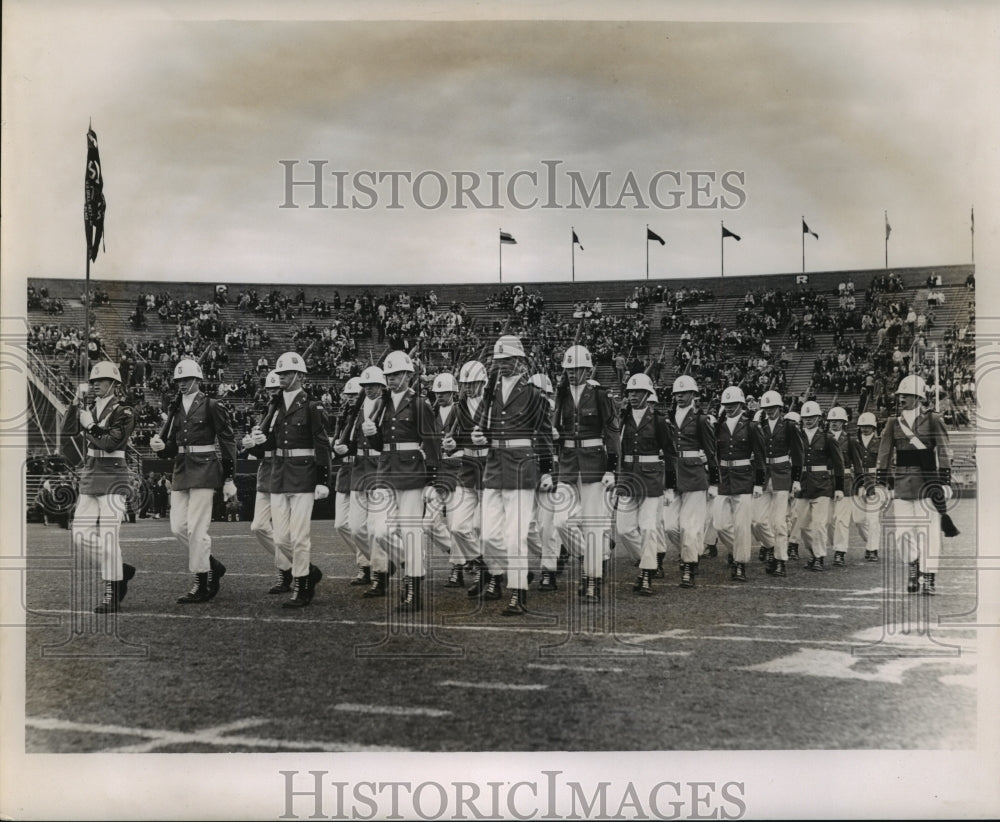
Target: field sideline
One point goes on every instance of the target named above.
(838, 660)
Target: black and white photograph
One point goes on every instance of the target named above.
(499, 411)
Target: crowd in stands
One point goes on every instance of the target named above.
(39, 300)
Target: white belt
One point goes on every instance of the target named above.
(195, 449)
(642, 458)
(368, 452)
(524, 443)
(284, 453)
(346, 460)
(401, 446)
(779, 460)
(591, 443)
(733, 463)
(97, 452)
(476, 452)
(688, 454)
(268, 455)
(817, 469)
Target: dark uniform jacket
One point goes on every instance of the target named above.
(588, 434)
(782, 453)
(103, 473)
(208, 421)
(912, 470)
(647, 455)
(520, 435)
(406, 436)
(342, 464)
(300, 428)
(694, 441)
(366, 457)
(869, 461)
(264, 454)
(467, 462)
(850, 450)
(822, 466)
(741, 456)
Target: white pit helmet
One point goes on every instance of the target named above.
(444, 382)
(811, 409)
(685, 382)
(105, 370)
(640, 382)
(652, 397)
(472, 371)
(372, 375)
(732, 394)
(542, 381)
(868, 418)
(912, 384)
(188, 368)
(793, 416)
(770, 399)
(271, 380)
(352, 386)
(836, 413)
(508, 346)
(397, 361)
(577, 356)
(290, 361)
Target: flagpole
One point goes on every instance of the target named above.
(972, 229)
(500, 243)
(886, 216)
(647, 251)
(572, 252)
(85, 361)
(803, 233)
(722, 249)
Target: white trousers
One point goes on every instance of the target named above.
(342, 526)
(684, 523)
(358, 515)
(190, 515)
(95, 531)
(395, 521)
(436, 511)
(583, 519)
(464, 521)
(640, 528)
(262, 529)
(733, 522)
(507, 516)
(812, 522)
(917, 532)
(770, 521)
(291, 516)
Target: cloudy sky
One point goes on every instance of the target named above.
(840, 116)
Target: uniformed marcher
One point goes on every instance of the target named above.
(645, 476)
(437, 497)
(343, 464)
(405, 434)
(515, 421)
(822, 484)
(840, 515)
(796, 505)
(914, 461)
(740, 449)
(867, 507)
(587, 449)
(300, 475)
(783, 458)
(195, 424)
(697, 472)
(104, 481)
(255, 444)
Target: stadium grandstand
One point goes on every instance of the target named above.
(839, 338)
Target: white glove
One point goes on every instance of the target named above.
(478, 437)
(321, 492)
(163, 416)
(608, 479)
(545, 483)
(948, 492)
(759, 490)
(713, 491)
(838, 495)
(555, 433)
(368, 428)
(449, 444)
(259, 437)
(247, 442)
(86, 419)
(796, 487)
(156, 443)
(229, 490)
(862, 491)
(340, 449)
(669, 495)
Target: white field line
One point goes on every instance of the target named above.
(209, 736)
(583, 669)
(491, 686)
(803, 616)
(391, 710)
(844, 607)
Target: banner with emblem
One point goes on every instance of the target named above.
(94, 204)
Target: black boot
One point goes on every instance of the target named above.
(494, 587)
(199, 591)
(928, 588)
(793, 550)
(215, 574)
(456, 579)
(517, 605)
(300, 594)
(591, 591)
(913, 577)
(712, 550)
(112, 596)
(378, 586)
(128, 571)
(740, 572)
(315, 575)
(816, 564)
(479, 586)
(687, 575)
(412, 595)
(363, 577)
(645, 584)
(548, 582)
(779, 568)
(840, 558)
(762, 554)
(659, 565)
(283, 583)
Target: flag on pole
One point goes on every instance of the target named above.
(576, 241)
(806, 230)
(727, 233)
(972, 220)
(507, 238)
(652, 235)
(94, 204)
(888, 228)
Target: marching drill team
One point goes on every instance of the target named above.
(509, 477)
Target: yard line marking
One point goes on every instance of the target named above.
(804, 616)
(153, 744)
(578, 668)
(392, 710)
(490, 686)
(209, 736)
(743, 625)
(845, 607)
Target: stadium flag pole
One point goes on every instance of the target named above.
(972, 229)
(803, 233)
(501, 255)
(722, 250)
(572, 252)
(937, 379)
(888, 231)
(647, 251)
